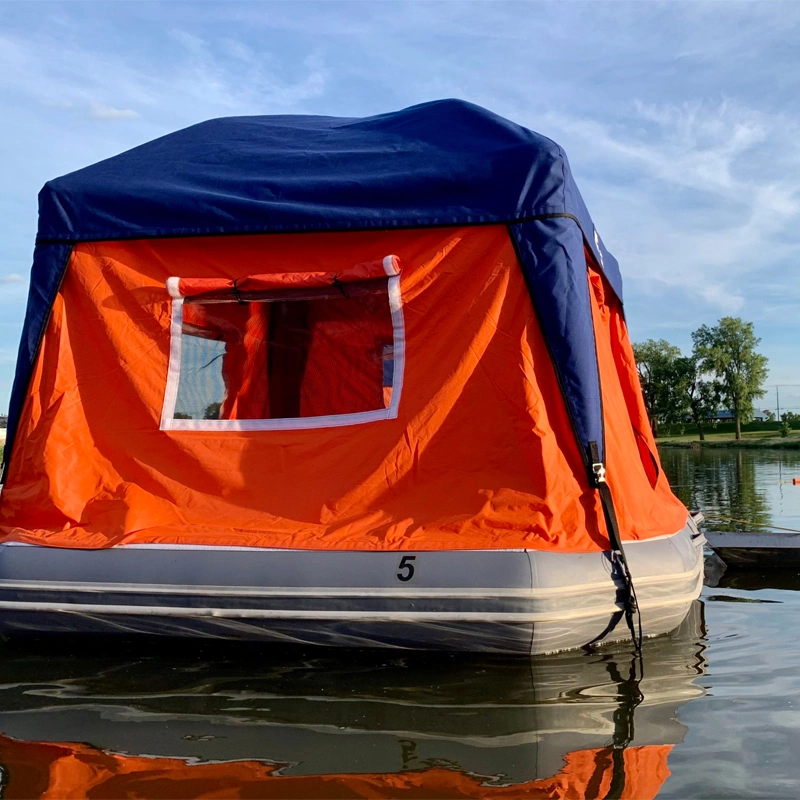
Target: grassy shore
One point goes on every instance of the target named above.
(750, 439)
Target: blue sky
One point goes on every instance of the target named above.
(681, 121)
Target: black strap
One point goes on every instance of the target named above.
(618, 556)
(236, 293)
(630, 696)
(340, 286)
(633, 614)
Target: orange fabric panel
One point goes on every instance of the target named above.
(644, 502)
(346, 344)
(70, 771)
(481, 456)
(192, 287)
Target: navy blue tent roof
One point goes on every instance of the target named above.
(437, 164)
(441, 163)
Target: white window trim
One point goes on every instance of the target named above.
(169, 423)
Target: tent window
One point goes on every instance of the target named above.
(283, 358)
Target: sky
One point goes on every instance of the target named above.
(681, 122)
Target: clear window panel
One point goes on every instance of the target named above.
(282, 359)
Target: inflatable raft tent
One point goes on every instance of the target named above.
(337, 380)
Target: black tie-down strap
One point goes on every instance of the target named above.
(612, 756)
(633, 615)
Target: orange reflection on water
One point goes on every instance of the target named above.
(66, 771)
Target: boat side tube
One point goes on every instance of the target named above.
(522, 601)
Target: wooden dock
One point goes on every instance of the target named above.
(772, 550)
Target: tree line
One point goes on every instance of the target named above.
(724, 370)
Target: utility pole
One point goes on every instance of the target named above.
(778, 402)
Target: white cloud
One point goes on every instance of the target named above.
(101, 111)
(12, 278)
(704, 195)
(680, 122)
(695, 146)
(195, 79)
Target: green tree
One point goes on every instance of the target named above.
(212, 411)
(728, 351)
(700, 396)
(659, 369)
(769, 416)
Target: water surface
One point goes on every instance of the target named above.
(749, 485)
(714, 716)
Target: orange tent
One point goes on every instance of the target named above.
(477, 453)
(330, 335)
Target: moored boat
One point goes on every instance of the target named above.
(765, 549)
(349, 382)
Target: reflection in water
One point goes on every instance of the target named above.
(249, 722)
(752, 485)
(755, 580)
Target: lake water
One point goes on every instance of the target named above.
(715, 715)
(754, 486)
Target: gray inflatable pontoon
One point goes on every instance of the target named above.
(520, 601)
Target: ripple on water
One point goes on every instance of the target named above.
(743, 735)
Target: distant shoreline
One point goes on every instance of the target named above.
(792, 443)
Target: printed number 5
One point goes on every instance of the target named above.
(406, 568)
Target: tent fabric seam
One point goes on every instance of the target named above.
(409, 224)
